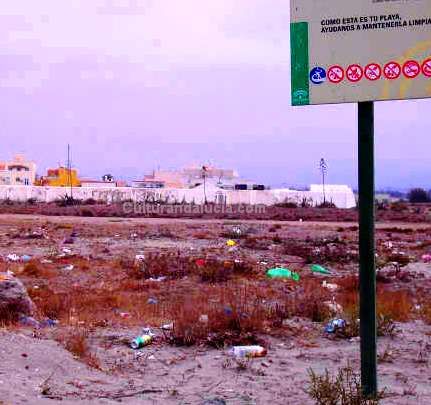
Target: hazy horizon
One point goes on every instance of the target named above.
(140, 84)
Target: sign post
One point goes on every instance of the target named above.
(360, 52)
(367, 273)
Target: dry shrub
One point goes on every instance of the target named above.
(35, 269)
(218, 315)
(396, 305)
(75, 340)
(344, 388)
(256, 243)
(307, 301)
(172, 265)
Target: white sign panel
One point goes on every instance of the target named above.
(360, 50)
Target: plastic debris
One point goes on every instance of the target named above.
(329, 286)
(426, 258)
(140, 258)
(167, 326)
(230, 243)
(335, 325)
(12, 257)
(200, 262)
(141, 341)
(25, 258)
(49, 323)
(158, 279)
(247, 351)
(69, 267)
(237, 231)
(152, 301)
(28, 321)
(203, 318)
(280, 272)
(69, 241)
(66, 251)
(334, 307)
(317, 268)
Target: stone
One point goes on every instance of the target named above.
(14, 299)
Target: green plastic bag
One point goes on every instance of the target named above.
(280, 272)
(316, 268)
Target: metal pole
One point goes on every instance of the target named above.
(367, 270)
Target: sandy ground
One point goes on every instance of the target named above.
(35, 369)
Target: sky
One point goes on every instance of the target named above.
(134, 85)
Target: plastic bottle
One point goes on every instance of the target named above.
(247, 351)
(141, 341)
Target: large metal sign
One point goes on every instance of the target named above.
(360, 50)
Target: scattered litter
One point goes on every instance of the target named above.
(152, 301)
(231, 243)
(124, 314)
(140, 258)
(335, 325)
(317, 268)
(228, 310)
(69, 241)
(203, 318)
(237, 231)
(167, 326)
(426, 258)
(46, 261)
(28, 321)
(74, 234)
(334, 307)
(280, 272)
(329, 286)
(12, 257)
(69, 267)
(66, 250)
(141, 341)
(133, 235)
(25, 258)
(200, 262)
(49, 323)
(247, 351)
(158, 279)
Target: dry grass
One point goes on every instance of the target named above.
(76, 341)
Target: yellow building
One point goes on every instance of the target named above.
(61, 177)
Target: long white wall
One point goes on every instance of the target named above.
(342, 198)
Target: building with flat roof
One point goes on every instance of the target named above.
(60, 177)
(18, 172)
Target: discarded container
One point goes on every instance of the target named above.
(141, 341)
(231, 243)
(152, 301)
(247, 351)
(334, 325)
(25, 258)
(317, 268)
(280, 272)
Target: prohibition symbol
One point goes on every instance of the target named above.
(392, 70)
(336, 74)
(426, 67)
(373, 71)
(411, 69)
(354, 73)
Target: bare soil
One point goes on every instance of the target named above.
(103, 303)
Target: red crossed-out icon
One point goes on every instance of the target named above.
(373, 71)
(354, 73)
(335, 74)
(411, 69)
(426, 67)
(392, 70)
